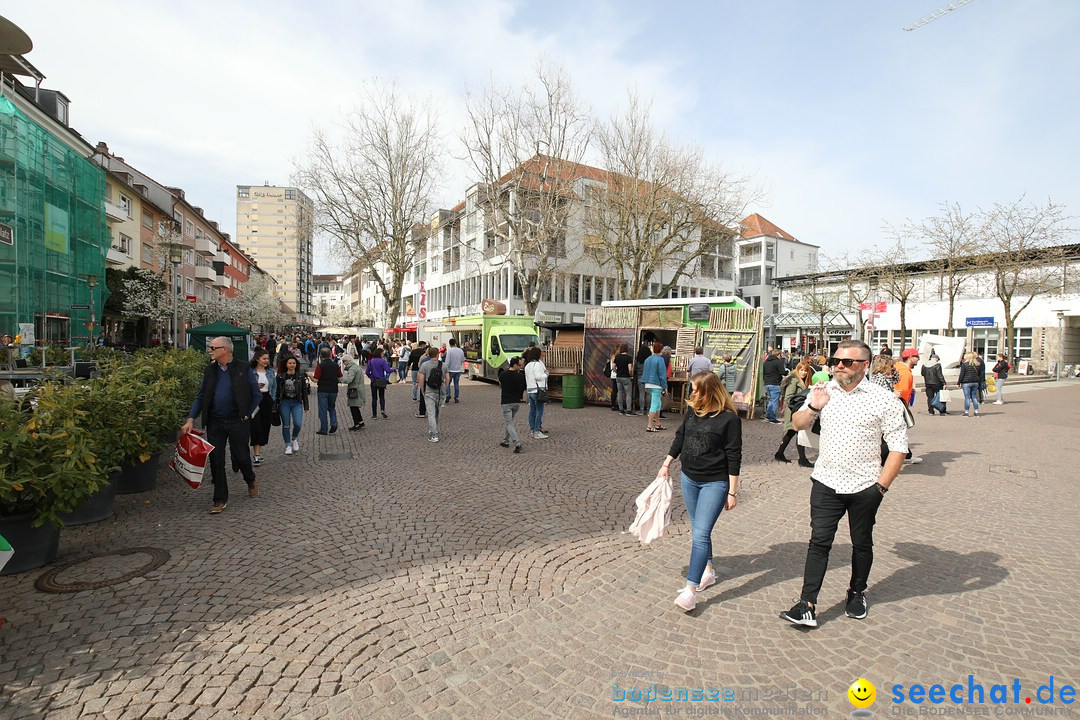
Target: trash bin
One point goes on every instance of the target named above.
(573, 391)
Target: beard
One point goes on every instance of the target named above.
(848, 380)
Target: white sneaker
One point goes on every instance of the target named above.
(687, 600)
(998, 402)
(913, 460)
(296, 446)
(539, 435)
(288, 449)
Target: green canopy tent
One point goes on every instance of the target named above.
(198, 337)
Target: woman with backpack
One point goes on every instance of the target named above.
(798, 379)
(379, 372)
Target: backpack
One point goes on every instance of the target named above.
(434, 378)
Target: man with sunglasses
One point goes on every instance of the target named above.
(848, 476)
(227, 398)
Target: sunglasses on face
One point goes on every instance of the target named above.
(846, 362)
(212, 348)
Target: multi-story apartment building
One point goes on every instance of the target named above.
(274, 226)
(329, 298)
(764, 253)
(461, 264)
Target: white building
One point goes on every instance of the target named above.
(460, 265)
(764, 253)
(1047, 326)
(329, 299)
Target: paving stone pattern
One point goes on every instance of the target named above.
(458, 580)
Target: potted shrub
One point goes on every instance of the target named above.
(48, 466)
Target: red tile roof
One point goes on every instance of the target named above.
(755, 225)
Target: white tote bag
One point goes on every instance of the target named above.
(944, 395)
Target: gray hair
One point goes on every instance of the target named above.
(324, 353)
(226, 342)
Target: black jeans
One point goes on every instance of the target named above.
(238, 434)
(357, 416)
(826, 508)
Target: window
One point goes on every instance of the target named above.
(243, 192)
(125, 204)
(189, 228)
(1021, 343)
(147, 220)
(124, 244)
(750, 276)
(290, 194)
(148, 253)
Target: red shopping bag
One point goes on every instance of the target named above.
(192, 451)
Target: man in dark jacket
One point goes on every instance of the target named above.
(512, 382)
(327, 373)
(934, 383)
(772, 373)
(227, 398)
(415, 358)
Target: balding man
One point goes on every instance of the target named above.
(227, 398)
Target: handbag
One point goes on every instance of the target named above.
(352, 393)
(379, 382)
(944, 395)
(541, 395)
(909, 419)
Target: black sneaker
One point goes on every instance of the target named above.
(517, 448)
(505, 443)
(800, 614)
(856, 605)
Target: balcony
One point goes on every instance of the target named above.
(117, 257)
(204, 272)
(204, 247)
(115, 213)
(220, 280)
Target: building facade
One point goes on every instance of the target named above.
(1046, 329)
(274, 226)
(764, 253)
(460, 264)
(329, 297)
(53, 229)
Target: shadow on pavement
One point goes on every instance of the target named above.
(936, 462)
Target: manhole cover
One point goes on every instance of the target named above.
(47, 582)
(336, 456)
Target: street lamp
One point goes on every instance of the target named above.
(176, 256)
(91, 282)
(1061, 344)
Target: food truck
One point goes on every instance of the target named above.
(489, 341)
(723, 325)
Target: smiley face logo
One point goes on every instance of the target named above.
(862, 693)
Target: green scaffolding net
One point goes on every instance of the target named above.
(53, 234)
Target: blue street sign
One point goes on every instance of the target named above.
(979, 322)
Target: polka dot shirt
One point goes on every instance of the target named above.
(852, 425)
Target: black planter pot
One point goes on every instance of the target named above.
(138, 476)
(33, 546)
(98, 507)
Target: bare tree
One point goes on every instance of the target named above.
(525, 145)
(371, 189)
(822, 301)
(660, 207)
(1021, 242)
(861, 283)
(950, 237)
(894, 276)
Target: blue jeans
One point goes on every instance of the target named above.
(773, 393)
(416, 392)
(704, 501)
(401, 368)
(536, 413)
(455, 380)
(327, 403)
(292, 412)
(971, 395)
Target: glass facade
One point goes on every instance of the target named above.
(55, 235)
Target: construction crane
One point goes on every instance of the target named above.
(956, 5)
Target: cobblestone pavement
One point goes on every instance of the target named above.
(378, 575)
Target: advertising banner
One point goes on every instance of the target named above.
(56, 228)
(741, 346)
(599, 344)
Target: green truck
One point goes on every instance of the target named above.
(489, 341)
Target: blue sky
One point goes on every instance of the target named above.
(846, 121)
